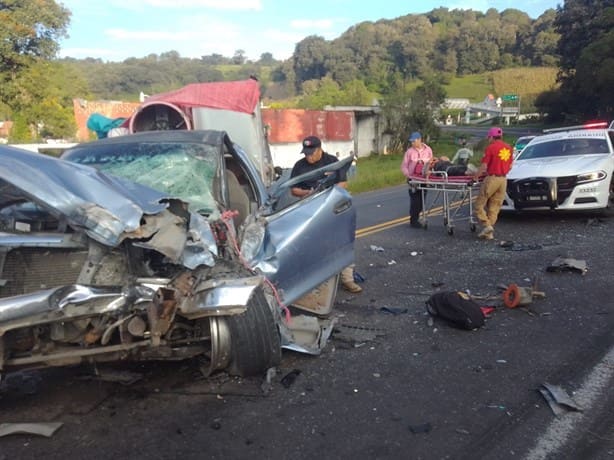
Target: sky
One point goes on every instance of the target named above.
(115, 30)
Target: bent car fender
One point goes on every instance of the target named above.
(219, 297)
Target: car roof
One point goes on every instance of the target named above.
(201, 136)
(574, 134)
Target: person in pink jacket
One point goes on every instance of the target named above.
(416, 159)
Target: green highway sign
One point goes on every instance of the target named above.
(510, 97)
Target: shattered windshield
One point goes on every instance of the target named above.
(181, 170)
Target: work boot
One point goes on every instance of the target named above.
(351, 286)
(347, 280)
(487, 233)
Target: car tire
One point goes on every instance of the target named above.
(255, 339)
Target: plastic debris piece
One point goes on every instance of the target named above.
(376, 248)
(394, 310)
(41, 429)
(267, 383)
(562, 264)
(422, 428)
(290, 377)
(558, 399)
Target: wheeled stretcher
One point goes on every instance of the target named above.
(452, 193)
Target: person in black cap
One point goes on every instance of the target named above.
(316, 158)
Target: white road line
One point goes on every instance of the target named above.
(560, 430)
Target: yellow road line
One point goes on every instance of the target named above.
(366, 231)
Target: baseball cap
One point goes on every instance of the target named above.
(310, 144)
(415, 135)
(495, 132)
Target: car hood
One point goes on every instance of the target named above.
(556, 166)
(107, 208)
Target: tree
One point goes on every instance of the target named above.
(585, 48)
(44, 102)
(239, 57)
(405, 111)
(267, 59)
(308, 59)
(594, 79)
(29, 33)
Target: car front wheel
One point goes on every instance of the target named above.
(254, 338)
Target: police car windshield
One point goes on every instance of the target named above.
(565, 147)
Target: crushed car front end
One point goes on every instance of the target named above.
(97, 268)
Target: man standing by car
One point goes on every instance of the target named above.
(496, 163)
(316, 158)
(416, 159)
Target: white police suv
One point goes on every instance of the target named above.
(564, 169)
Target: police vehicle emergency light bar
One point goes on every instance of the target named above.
(592, 125)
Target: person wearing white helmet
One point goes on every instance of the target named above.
(496, 163)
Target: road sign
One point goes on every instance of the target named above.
(510, 97)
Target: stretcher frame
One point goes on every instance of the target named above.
(452, 193)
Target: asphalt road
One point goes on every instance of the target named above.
(389, 384)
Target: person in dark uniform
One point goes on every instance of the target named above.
(316, 158)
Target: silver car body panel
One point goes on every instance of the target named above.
(107, 208)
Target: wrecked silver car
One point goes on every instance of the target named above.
(164, 245)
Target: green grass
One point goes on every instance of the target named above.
(473, 87)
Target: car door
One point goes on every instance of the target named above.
(310, 240)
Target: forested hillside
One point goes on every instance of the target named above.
(408, 65)
(443, 42)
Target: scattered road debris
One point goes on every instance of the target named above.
(422, 428)
(376, 248)
(118, 376)
(394, 310)
(511, 246)
(558, 399)
(356, 336)
(288, 379)
(267, 383)
(516, 295)
(46, 429)
(561, 264)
